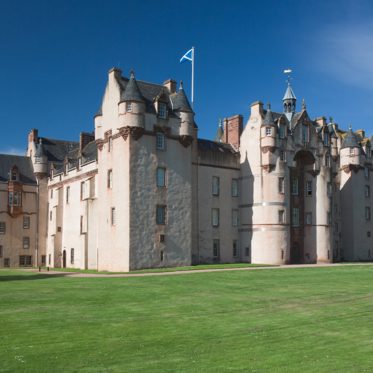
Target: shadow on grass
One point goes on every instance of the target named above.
(29, 277)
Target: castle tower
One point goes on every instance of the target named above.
(289, 102)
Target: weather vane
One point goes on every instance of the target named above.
(288, 73)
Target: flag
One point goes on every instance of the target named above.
(188, 56)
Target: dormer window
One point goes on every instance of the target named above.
(162, 110)
(268, 131)
(128, 107)
(14, 175)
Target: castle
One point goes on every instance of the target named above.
(144, 191)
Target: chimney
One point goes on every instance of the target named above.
(170, 84)
(85, 138)
(33, 136)
(257, 109)
(232, 130)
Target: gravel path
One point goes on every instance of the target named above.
(91, 275)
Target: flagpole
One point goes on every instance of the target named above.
(192, 76)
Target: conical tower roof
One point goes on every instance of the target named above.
(132, 91)
(289, 94)
(268, 119)
(180, 101)
(350, 140)
(39, 150)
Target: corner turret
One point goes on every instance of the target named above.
(350, 152)
(40, 160)
(268, 140)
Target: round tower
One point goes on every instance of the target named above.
(350, 151)
(268, 140)
(40, 160)
(132, 106)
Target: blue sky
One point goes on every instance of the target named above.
(55, 56)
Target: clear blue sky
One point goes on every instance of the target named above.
(55, 56)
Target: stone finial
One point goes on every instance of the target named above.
(303, 104)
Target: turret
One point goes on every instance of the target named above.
(268, 140)
(40, 160)
(132, 105)
(350, 151)
(181, 106)
(289, 102)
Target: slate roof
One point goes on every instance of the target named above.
(132, 91)
(350, 140)
(24, 165)
(209, 145)
(89, 152)
(180, 101)
(57, 150)
(268, 119)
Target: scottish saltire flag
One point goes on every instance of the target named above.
(188, 56)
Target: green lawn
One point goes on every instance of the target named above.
(271, 320)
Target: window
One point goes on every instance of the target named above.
(6, 262)
(110, 179)
(247, 251)
(281, 185)
(110, 144)
(326, 139)
(128, 107)
(268, 131)
(294, 186)
(49, 259)
(295, 217)
(327, 160)
(234, 218)
(81, 224)
(235, 249)
(330, 189)
(67, 194)
(15, 199)
(282, 156)
(162, 110)
(161, 177)
(367, 213)
(26, 222)
(309, 188)
(234, 187)
(51, 193)
(82, 190)
(282, 132)
(352, 152)
(366, 172)
(2, 227)
(50, 215)
(26, 242)
(25, 260)
(215, 248)
(1, 251)
(215, 185)
(281, 216)
(367, 191)
(215, 217)
(328, 218)
(43, 260)
(308, 218)
(160, 141)
(161, 215)
(72, 256)
(304, 133)
(14, 174)
(113, 216)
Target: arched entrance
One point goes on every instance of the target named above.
(304, 162)
(64, 259)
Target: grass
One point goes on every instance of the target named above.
(166, 269)
(278, 320)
